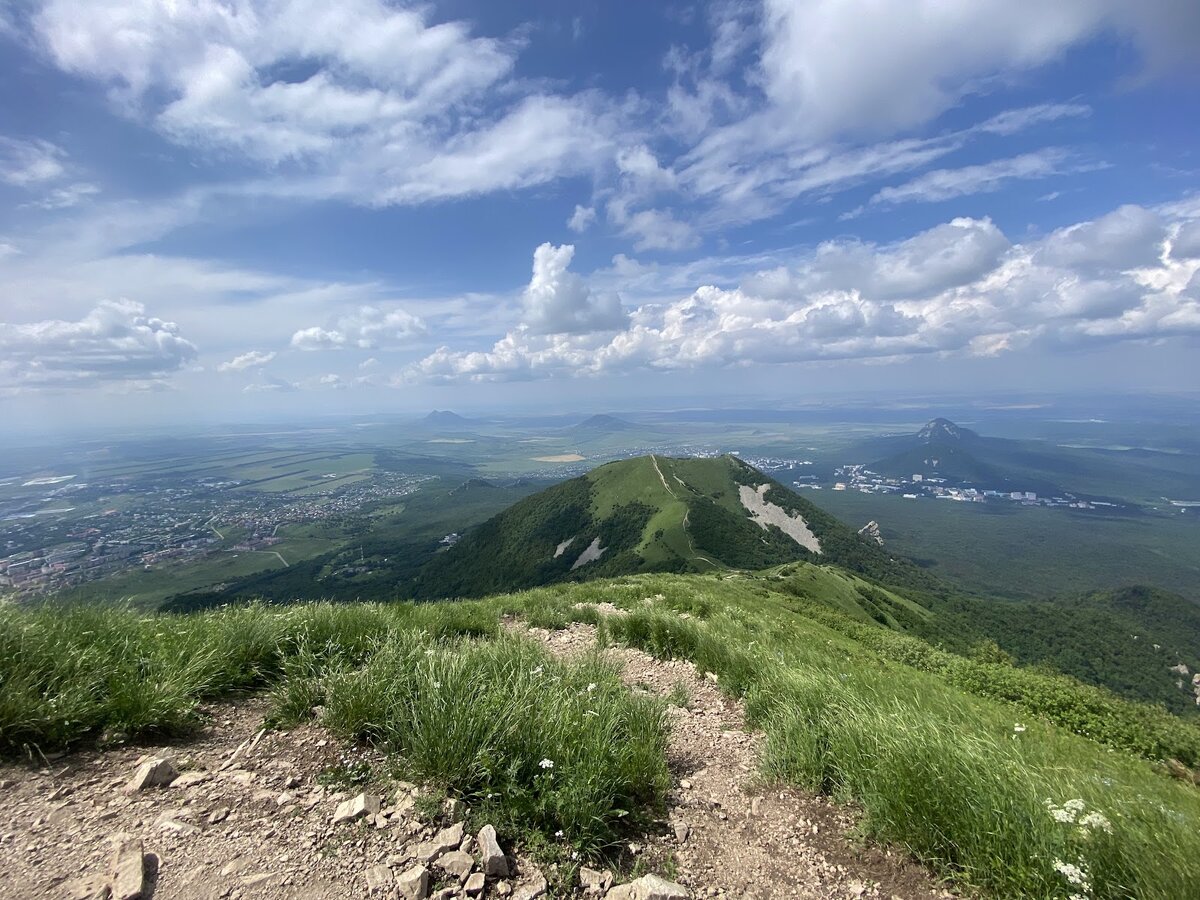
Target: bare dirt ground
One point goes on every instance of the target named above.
(729, 834)
(254, 825)
(250, 818)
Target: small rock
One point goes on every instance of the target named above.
(413, 884)
(443, 842)
(218, 815)
(502, 889)
(474, 886)
(593, 882)
(532, 889)
(454, 810)
(493, 862)
(256, 879)
(457, 863)
(355, 808)
(128, 880)
(155, 772)
(380, 879)
(187, 779)
(648, 887)
(682, 830)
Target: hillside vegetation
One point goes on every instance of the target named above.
(991, 774)
(648, 514)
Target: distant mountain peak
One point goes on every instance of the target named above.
(604, 423)
(943, 430)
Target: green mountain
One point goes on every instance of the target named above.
(654, 514)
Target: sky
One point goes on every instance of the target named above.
(215, 210)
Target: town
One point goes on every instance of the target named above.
(131, 526)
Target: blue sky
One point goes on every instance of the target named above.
(214, 209)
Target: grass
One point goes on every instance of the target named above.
(528, 742)
(947, 775)
(938, 762)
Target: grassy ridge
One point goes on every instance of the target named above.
(960, 778)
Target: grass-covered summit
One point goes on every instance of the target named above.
(651, 514)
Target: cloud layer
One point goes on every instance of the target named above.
(958, 288)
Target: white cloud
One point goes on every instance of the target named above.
(959, 288)
(582, 218)
(558, 301)
(657, 229)
(66, 197)
(857, 66)
(946, 184)
(317, 338)
(115, 342)
(250, 360)
(368, 328)
(1013, 121)
(30, 163)
(360, 100)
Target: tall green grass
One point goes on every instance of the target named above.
(953, 778)
(70, 673)
(530, 741)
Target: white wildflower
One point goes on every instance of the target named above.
(1073, 873)
(537, 671)
(1018, 728)
(436, 685)
(1076, 805)
(547, 764)
(591, 686)
(559, 833)
(1096, 821)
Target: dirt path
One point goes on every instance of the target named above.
(730, 835)
(251, 820)
(666, 487)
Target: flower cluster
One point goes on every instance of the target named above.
(1076, 876)
(1072, 812)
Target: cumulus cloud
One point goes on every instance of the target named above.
(958, 288)
(115, 342)
(360, 99)
(250, 360)
(368, 328)
(558, 301)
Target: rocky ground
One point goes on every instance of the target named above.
(242, 812)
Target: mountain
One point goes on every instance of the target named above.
(943, 449)
(444, 418)
(943, 431)
(603, 425)
(654, 514)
